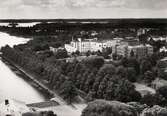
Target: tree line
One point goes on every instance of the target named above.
(91, 76)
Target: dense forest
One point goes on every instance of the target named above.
(127, 21)
(106, 29)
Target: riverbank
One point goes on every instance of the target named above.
(27, 36)
(33, 81)
(56, 104)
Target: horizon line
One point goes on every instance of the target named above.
(73, 18)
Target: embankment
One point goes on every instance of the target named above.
(33, 81)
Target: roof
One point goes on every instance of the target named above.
(157, 83)
(164, 59)
(139, 46)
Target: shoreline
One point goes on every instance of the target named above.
(22, 75)
(26, 36)
(49, 94)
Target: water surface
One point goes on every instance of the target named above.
(11, 85)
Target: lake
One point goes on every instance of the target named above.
(11, 85)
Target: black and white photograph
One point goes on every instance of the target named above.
(83, 57)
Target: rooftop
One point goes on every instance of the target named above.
(139, 46)
(96, 40)
(164, 59)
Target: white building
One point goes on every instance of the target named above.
(90, 45)
(163, 49)
(12, 108)
(70, 48)
(138, 50)
(157, 38)
(55, 49)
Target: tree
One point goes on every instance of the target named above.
(68, 91)
(88, 53)
(108, 108)
(143, 38)
(106, 52)
(160, 70)
(78, 80)
(77, 52)
(163, 91)
(102, 87)
(132, 54)
(61, 53)
(131, 62)
(153, 99)
(83, 79)
(99, 53)
(125, 91)
(107, 69)
(89, 82)
(158, 44)
(94, 62)
(110, 88)
(90, 96)
(121, 89)
(124, 62)
(154, 58)
(50, 113)
(131, 74)
(149, 76)
(77, 70)
(40, 47)
(121, 71)
(114, 56)
(155, 111)
(42, 113)
(145, 66)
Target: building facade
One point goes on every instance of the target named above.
(92, 45)
(138, 50)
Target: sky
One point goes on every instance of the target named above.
(53, 9)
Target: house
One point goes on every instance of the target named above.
(11, 107)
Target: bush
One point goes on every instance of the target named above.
(163, 91)
(155, 111)
(153, 99)
(94, 62)
(108, 108)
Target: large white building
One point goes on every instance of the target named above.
(90, 45)
(138, 50)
